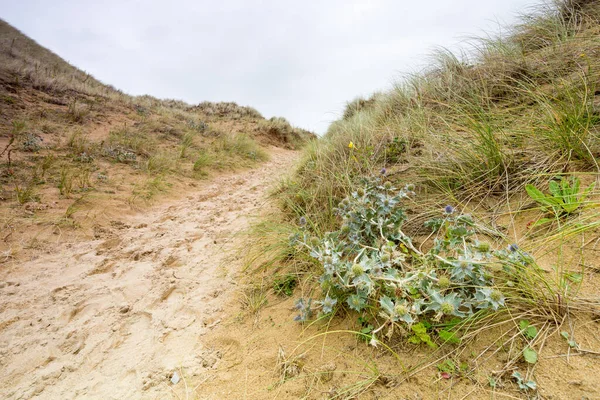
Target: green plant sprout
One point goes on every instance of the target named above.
(564, 199)
(365, 329)
(285, 285)
(572, 343)
(530, 355)
(523, 384)
(529, 331)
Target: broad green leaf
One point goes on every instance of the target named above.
(540, 197)
(523, 324)
(531, 332)
(542, 221)
(565, 187)
(448, 337)
(571, 206)
(553, 201)
(387, 305)
(414, 340)
(535, 193)
(576, 184)
(530, 355)
(554, 189)
(421, 335)
(570, 193)
(419, 328)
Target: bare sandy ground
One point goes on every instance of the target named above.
(124, 316)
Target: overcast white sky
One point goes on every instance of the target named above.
(300, 59)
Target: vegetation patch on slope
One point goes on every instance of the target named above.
(73, 148)
(460, 204)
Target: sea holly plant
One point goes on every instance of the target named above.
(370, 265)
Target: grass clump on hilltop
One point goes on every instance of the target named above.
(280, 130)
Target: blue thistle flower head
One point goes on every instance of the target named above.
(328, 304)
(383, 171)
(302, 221)
(448, 209)
(513, 247)
(305, 311)
(300, 305)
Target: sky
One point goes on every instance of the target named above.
(301, 59)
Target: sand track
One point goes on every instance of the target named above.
(114, 318)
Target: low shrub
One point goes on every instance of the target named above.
(370, 266)
(357, 105)
(240, 145)
(281, 130)
(131, 140)
(161, 162)
(77, 112)
(31, 142)
(227, 109)
(119, 154)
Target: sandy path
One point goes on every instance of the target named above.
(115, 318)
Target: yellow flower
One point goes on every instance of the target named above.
(582, 55)
(351, 145)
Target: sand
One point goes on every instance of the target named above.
(123, 316)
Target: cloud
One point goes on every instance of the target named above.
(301, 60)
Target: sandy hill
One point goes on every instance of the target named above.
(444, 233)
(73, 146)
(440, 241)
